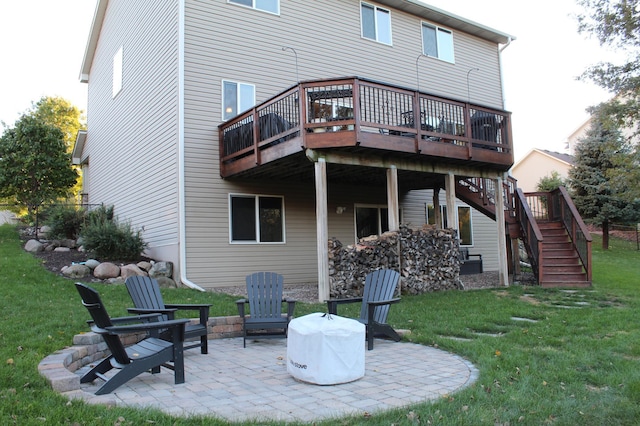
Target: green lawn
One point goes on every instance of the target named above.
(544, 356)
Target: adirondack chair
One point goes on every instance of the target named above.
(147, 355)
(146, 296)
(376, 299)
(264, 296)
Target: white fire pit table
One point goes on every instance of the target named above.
(325, 349)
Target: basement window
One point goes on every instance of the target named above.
(256, 219)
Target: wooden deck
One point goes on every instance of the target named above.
(365, 117)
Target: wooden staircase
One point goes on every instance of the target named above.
(558, 258)
(560, 264)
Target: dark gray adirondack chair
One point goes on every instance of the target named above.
(147, 355)
(379, 288)
(264, 296)
(146, 296)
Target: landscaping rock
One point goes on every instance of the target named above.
(131, 270)
(92, 263)
(62, 249)
(166, 282)
(161, 269)
(34, 246)
(106, 270)
(76, 271)
(144, 265)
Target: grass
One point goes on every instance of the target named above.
(544, 356)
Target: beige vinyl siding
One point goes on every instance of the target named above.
(485, 231)
(132, 149)
(225, 42)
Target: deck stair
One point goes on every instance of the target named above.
(556, 257)
(560, 265)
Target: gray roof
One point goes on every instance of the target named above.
(567, 158)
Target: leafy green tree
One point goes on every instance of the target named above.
(34, 165)
(60, 113)
(599, 198)
(550, 183)
(616, 23)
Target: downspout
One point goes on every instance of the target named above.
(504, 102)
(181, 168)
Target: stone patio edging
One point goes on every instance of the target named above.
(59, 368)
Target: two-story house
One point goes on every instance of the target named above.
(241, 134)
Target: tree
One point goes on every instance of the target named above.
(599, 198)
(60, 113)
(550, 183)
(34, 165)
(616, 23)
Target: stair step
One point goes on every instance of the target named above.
(563, 276)
(565, 284)
(564, 238)
(558, 253)
(557, 269)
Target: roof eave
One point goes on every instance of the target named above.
(78, 147)
(431, 13)
(92, 42)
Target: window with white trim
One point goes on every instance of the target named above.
(371, 220)
(236, 98)
(437, 42)
(465, 226)
(117, 73)
(256, 219)
(272, 6)
(376, 23)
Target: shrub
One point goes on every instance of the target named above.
(64, 221)
(103, 236)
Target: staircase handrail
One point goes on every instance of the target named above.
(573, 223)
(532, 234)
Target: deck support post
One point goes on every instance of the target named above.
(392, 199)
(503, 267)
(437, 211)
(450, 188)
(322, 229)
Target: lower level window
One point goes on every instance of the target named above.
(372, 220)
(256, 219)
(465, 228)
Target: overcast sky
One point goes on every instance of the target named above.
(43, 44)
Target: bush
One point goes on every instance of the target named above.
(107, 239)
(64, 221)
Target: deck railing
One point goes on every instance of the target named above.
(359, 112)
(532, 236)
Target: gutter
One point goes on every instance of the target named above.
(181, 185)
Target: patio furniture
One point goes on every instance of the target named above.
(376, 299)
(470, 266)
(264, 297)
(325, 349)
(146, 296)
(149, 354)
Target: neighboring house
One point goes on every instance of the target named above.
(266, 189)
(575, 137)
(540, 163)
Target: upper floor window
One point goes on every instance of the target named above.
(256, 219)
(376, 23)
(272, 6)
(117, 73)
(437, 42)
(236, 97)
